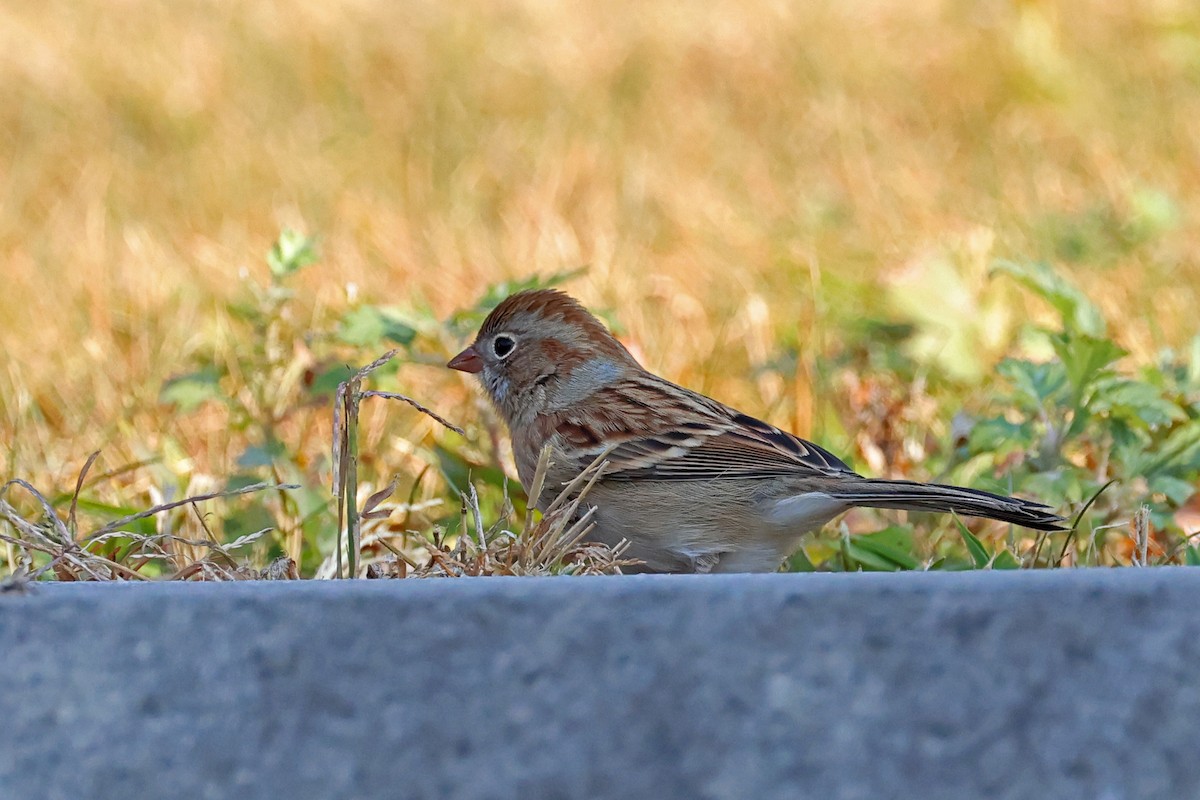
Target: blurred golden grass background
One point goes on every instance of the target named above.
(737, 178)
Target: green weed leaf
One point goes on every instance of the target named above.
(1005, 560)
(261, 455)
(800, 562)
(189, 392)
(1084, 357)
(999, 435)
(1079, 314)
(1036, 382)
(889, 549)
(291, 252)
(979, 553)
(327, 380)
(366, 326)
(1177, 490)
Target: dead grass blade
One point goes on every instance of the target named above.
(369, 508)
(150, 512)
(433, 415)
(556, 544)
(1141, 536)
(52, 517)
(345, 464)
(72, 525)
(72, 559)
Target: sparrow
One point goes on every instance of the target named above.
(691, 484)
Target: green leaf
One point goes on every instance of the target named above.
(1037, 382)
(1139, 402)
(243, 311)
(458, 471)
(1193, 362)
(1191, 556)
(252, 517)
(891, 546)
(1053, 485)
(1084, 357)
(979, 553)
(1153, 212)
(260, 455)
(1132, 448)
(291, 252)
(998, 434)
(1177, 490)
(1078, 313)
(799, 562)
(326, 381)
(372, 325)
(1005, 560)
(866, 560)
(145, 526)
(193, 390)
(1177, 454)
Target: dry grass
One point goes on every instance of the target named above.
(75, 557)
(550, 543)
(555, 543)
(739, 178)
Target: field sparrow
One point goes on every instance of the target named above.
(693, 485)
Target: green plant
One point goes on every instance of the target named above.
(272, 371)
(1069, 426)
(1083, 428)
(274, 376)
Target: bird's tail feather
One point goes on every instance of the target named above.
(911, 496)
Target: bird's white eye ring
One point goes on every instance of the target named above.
(503, 346)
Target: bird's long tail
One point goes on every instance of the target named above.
(911, 496)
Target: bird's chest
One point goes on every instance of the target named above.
(528, 441)
(563, 461)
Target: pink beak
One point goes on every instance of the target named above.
(467, 361)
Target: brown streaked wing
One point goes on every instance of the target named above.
(714, 442)
(736, 453)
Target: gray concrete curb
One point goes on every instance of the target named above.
(1074, 683)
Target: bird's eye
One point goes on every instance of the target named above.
(503, 345)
